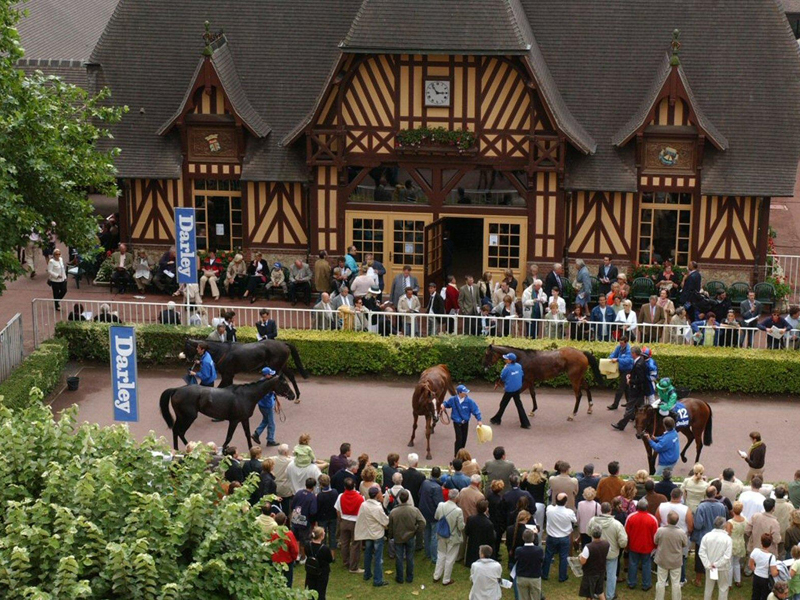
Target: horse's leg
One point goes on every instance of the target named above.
(227, 379)
(698, 441)
(532, 390)
(175, 436)
(690, 438)
(246, 427)
(428, 431)
(414, 430)
(576, 387)
(650, 457)
(231, 428)
(588, 396)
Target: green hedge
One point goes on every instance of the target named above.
(353, 354)
(42, 369)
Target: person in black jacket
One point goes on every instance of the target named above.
(434, 306)
(497, 512)
(692, 284)
(266, 328)
(606, 275)
(555, 279)
(234, 471)
(254, 464)
(479, 531)
(638, 382)
(350, 472)
(318, 563)
(326, 511)
(514, 536)
(529, 557)
(412, 479)
(267, 486)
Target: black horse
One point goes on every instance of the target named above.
(231, 358)
(234, 404)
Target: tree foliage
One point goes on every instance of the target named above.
(89, 513)
(49, 158)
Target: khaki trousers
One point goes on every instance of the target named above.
(754, 473)
(212, 281)
(447, 551)
(724, 583)
(529, 588)
(674, 582)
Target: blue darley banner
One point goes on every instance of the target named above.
(186, 245)
(123, 374)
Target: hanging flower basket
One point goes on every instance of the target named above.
(435, 140)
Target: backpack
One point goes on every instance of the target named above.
(313, 567)
(443, 527)
(393, 502)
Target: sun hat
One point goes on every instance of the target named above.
(510, 356)
(375, 290)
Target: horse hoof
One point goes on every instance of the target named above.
(571, 418)
(410, 444)
(683, 459)
(428, 457)
(588, 412)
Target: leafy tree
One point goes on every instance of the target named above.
(49, 157)
(89, 513)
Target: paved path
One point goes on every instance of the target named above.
(374, 416)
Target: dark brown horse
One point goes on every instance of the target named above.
(649, 421)
(234, 404)
(433, 385)
(541, 365)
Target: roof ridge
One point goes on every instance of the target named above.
(517, 15)
(111, 21)
(359, 14)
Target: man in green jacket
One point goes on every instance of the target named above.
(405, 523)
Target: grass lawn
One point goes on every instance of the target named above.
(343, 585)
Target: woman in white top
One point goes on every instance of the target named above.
(141, 274)
(762, 563)
(57, 277)
(628, 319)
(694, 487)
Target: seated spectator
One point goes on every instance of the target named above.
(277, 279)
(170, 316)
(141, 271)
(76, 314)
(106, 316)
(626, 320)
(300, 276)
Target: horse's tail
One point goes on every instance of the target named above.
(707, 436)
(297, 362)
(598, 377)
(166, 396)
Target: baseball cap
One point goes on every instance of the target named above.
(462, 389)
(510, 356)
(267, 371)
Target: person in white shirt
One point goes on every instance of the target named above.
(752, 500)
(715, 552)
(141, 273)
(57, 277)
(556, 297)
(628, 320)
(534, 301)
(485, 575)
(561, 521)
(408, 305)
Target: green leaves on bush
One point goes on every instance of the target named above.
(42, 370)
(353, 354)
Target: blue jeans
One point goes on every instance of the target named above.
(660, 468)
(330, 532)
(634, 560)
(561, 546)
(431, 543)
(268, 423)
(611, 577)
(405, 554)
(373, 548)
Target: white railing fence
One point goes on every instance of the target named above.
(785, 266)
(45, 317)
(11, 346)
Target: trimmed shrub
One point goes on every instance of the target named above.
(354, 354)
(42, 369)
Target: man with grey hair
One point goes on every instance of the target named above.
(641, 528)
(715, 551)
(555, 279)
(485, 575)
(449, 533)
(593, 558)
(671, 542)
(412, 478)
(284, 487)
(651, 314)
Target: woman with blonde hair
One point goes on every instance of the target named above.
(534, 482)
(468, 466)
(588, 508)
(368, 477)
(735, 528)
(627, 320)
(627, 497)
(694, 487)
(640, 479)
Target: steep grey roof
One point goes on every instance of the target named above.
(222, 61)
(638, 119)
(594, 61)
(436, 26)
(742, 61)
(282, 53)
(791, 6)
(63, 29)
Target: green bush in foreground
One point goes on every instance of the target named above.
(42, 369)
(350, 353)
(90, 513)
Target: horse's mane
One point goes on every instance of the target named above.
(507, 349)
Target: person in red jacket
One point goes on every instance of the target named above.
(451, 299)
(288, 550)
(347, 506)
(641, 528)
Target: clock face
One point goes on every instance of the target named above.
(437, 93)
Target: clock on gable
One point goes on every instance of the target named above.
(437, 92)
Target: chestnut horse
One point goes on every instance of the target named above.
(433, 385)
(648, 420)
(541, 365)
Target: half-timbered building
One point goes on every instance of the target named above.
(525, 130)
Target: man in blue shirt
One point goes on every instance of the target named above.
(268, 406)
(206, 372)
(667, 446)
(622, 356)
(512, 377)
(462, 407)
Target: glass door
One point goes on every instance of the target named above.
(665, 224)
